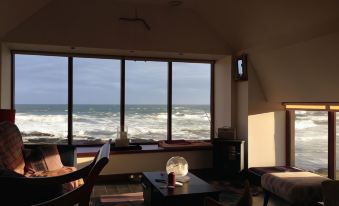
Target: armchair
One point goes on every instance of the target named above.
(79, 195)
(18, 188)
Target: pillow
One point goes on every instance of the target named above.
(34, 161)
(42, 158)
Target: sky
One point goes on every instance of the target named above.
(44, 80)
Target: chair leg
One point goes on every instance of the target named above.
(266, 197)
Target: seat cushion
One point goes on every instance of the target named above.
(62, 171)
(299, 188)
(11, 145)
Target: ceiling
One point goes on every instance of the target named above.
(241, 24)
(290, 43)
(14, 12)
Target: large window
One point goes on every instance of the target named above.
(191, 117)
(146, 100)
(96, 97)
(85, 100)
(41, 98)
(311, 141)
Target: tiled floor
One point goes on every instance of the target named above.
(228, 197)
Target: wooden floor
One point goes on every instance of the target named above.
(228, 197)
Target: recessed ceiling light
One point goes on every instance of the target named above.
(175, 3)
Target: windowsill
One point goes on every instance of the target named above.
(91, 151)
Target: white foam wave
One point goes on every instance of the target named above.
(102, 125)
(304, 124)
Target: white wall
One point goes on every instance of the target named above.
(136, 163)
(5, 69)
(266, 126)
(223, 92)
(266, 140)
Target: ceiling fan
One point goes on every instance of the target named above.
(136, 19)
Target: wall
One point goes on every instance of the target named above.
(266, 126)
(136, 163)
(5, 69)
(223, 93)
(266, 141)
(241, 88)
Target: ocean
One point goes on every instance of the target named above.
(311, 140)
(97, 123)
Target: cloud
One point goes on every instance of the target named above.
(44, 80)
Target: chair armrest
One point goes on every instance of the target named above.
(17, 181)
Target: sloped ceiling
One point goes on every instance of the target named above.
(247, 24)
(292, 45)
(239, 25)
(14, 12)
(85, 23)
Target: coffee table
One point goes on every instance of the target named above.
(191, 193)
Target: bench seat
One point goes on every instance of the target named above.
(297, 188)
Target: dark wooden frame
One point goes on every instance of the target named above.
(332, 144)
(122, 94)
(290, 139)
(169, 101)
(70, 101)
(212, 100)
(122, 59)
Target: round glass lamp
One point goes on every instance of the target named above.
(178, 165)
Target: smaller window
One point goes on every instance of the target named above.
(311, 141)
(241, 68)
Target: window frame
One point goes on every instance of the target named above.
(122, 59)
(331, 108)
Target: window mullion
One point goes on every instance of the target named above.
(70, 100)
(290, 139)
(212, 102)
(332, 144)
(169, 102)
(122, 95)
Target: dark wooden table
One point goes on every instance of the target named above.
(191, 193)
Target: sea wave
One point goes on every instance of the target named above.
(100, 122)
(305, 124)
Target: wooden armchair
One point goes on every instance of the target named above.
(25, 186)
